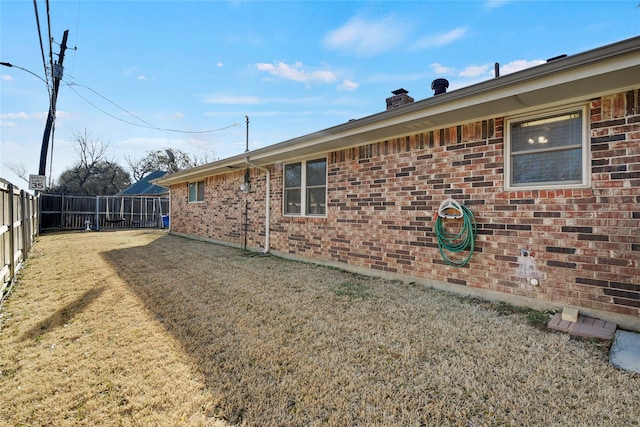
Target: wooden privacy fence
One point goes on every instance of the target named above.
(64, 212)
(18, 230)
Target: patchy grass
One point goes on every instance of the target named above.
(537, 318)
(351, 289)
(139, 328)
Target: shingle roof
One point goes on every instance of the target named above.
(145, 188)
(575, 78)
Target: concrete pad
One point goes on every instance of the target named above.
(586, 327)
(625, 351)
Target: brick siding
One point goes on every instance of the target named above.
(583, 244)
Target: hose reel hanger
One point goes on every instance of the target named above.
(450, 209)
(455, 237)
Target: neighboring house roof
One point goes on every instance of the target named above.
(575, 78)
(144, 187)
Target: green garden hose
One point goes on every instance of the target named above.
(457, 242)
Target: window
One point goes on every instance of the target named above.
(196, 191)
(548, 151)
(305, 188)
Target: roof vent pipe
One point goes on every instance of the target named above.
(555, 58)
(247, 145)
(440, 86)
(496, 69)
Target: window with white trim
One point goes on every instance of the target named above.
(196, 191)
(305, 188)
(548, 151)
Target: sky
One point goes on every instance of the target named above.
(151, 75)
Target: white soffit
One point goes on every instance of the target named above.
(576, 78)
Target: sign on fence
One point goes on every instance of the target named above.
(37, 182)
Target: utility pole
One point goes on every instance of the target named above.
(57, 76)
(247, 146)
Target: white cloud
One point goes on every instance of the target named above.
(441, 69)
(492, 4)
(59, 115)
(231, 100)
(297, 73)
(24, 116)
(219, 64)
(398, 77)
(367, 37)
(349, 85)
(254, 100)
(14, 116)
(474, 71)
(252, 114)
(133, 70)
(7, 77)
(519, 65)
(146, 144)
(439, 40)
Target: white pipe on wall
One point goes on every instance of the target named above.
(267, 229)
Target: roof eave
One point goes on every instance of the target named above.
(578, 77)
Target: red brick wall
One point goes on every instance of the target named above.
(382, 197)
(219, 217)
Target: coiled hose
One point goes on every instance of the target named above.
(457, 242)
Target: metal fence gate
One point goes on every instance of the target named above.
(64, 212)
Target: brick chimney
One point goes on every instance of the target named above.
(398, 99)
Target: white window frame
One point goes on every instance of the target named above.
(304, 208)
(197, 184)
(585, 181)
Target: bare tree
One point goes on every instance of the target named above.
(168, 160)
(94, 173)
(89, 151)
(19, 169)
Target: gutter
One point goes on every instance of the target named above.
(604, 69)
(267, 228)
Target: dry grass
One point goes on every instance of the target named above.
(140, 328)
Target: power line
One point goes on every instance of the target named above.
(44, 61)
(112, 103)
(8, 64)
(77, 35)
(50, 38)
(146, 125)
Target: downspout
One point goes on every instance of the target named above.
(267, 203)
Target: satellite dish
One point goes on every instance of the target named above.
(172, 158)
(172, 161)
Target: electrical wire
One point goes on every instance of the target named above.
(44, 61)
(77, 36)
(50, 41)
(456, 242)
(52, 95)
(146, 125)
(109, 101)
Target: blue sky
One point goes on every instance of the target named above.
(293, 67)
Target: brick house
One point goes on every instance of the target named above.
(546, 159)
